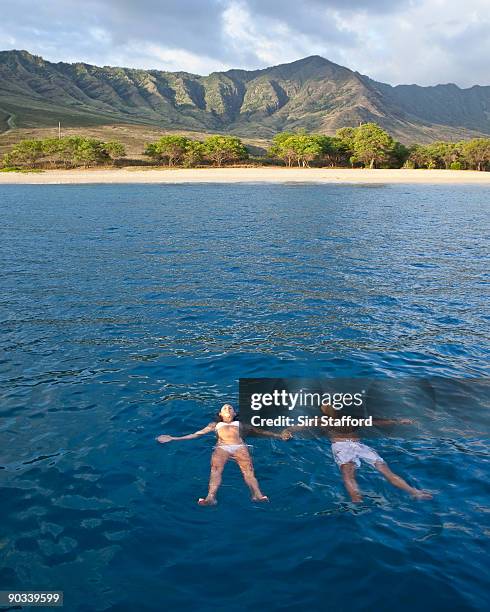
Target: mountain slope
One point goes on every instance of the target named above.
(313, 93)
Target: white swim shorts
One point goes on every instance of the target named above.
(346, 451)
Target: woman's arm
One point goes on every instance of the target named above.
(164, 438)
(284, 435)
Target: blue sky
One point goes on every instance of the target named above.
(416, 41)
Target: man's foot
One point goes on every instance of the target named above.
(356, 498)
(207, 501)
(260, 498)
(420, 494)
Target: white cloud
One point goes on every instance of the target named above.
(268, 40)
(424, 41)
(417, 41)
(180, 59)
(429, 43)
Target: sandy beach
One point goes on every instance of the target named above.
(245, 175)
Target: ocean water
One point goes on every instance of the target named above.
(130, 311)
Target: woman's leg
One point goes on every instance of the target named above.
(397, 481)
(348, 471)
(242, 457)
(218, 460)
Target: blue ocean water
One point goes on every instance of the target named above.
(132, 310)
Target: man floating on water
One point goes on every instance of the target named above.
(348, 451)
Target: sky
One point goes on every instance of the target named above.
(413, 41)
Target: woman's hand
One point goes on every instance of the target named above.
(164, 438)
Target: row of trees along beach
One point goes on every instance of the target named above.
(367, 146)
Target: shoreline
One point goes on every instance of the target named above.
(131, 174)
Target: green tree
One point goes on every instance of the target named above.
(335, 151)
(51, 148)
(418, 157)
(281, 148)
(89, 152)
(301, 147)
(399, 155)
(224, 149)
(372, 145)
(152, 152)
(306, 148)
(168, 149)
(440, 154)
(26, 153)
(114, 149)
(63, 152)
(194, 153)
(476, 153)
(347, 135)
(446, 152)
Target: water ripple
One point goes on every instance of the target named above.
(131, 310)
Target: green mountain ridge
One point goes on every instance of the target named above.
(312, 93)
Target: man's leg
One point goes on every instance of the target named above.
(348, 471)
(398, 482)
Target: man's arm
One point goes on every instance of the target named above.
(164, 438)
(388, 422)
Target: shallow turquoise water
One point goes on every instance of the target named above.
(128, 311)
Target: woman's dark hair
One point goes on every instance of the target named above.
(219, 418)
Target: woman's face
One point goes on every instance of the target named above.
(227, 413)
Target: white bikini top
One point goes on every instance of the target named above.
(222, 424)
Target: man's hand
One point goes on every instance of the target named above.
(164, 438)
(406, 422)
(286, 435)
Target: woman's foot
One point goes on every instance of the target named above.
(356, 498)
(420, 494)
(207, 501)
(260, 498)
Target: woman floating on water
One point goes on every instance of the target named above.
(230, 445)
